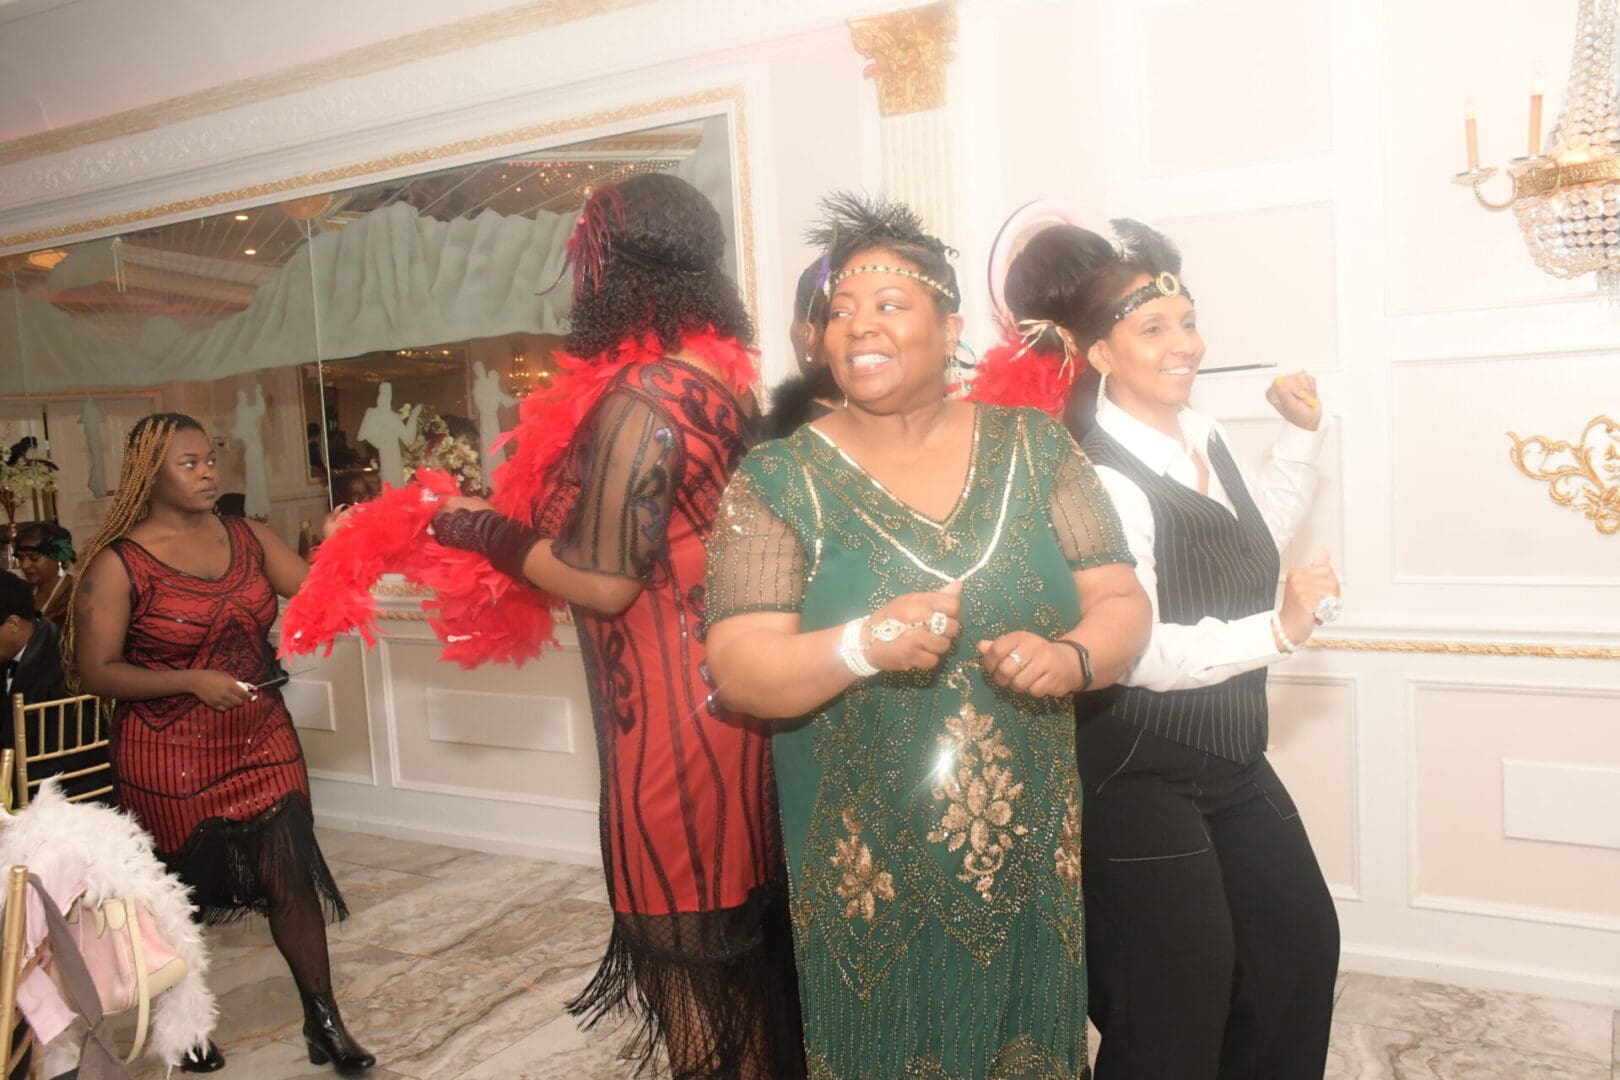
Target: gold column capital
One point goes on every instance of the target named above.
(909, 51)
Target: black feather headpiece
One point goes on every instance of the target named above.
(851, 224)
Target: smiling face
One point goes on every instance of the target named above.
(1151, 356)
(886, 341)
(188, 480)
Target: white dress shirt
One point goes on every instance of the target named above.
(1181, 657)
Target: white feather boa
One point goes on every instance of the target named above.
(119, 862)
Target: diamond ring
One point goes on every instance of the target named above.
(888, 629)
(1327, 609)
(1019, 660)
(938, 623)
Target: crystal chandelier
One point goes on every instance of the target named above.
(1566, 193)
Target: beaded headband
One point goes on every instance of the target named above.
(874, 268)
(1166, 284)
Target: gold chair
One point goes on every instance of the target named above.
(13, 945)
(51, 731)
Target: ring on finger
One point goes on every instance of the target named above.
(1327, 609)
(1019, 660)
(938, 623)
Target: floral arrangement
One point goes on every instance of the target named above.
(28, 476)
(436, 448)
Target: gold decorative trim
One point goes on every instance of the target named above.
(910, 52)
(405, 615)
(727, 95)
(1467, 648)
(434, 41)
(1592, 488)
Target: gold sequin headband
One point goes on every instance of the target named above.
(874, 268)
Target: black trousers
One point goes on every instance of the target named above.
(1212, 941)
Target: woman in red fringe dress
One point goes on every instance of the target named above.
(171, 617)
(701, 950)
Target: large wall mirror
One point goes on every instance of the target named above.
(330, 343)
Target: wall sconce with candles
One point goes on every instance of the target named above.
(1566, 192)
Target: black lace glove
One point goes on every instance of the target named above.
(504, 542)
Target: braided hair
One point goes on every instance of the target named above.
(144, 453)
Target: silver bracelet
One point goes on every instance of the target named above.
(850, 651)
(1288, 645)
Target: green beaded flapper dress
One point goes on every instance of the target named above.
(931, 819)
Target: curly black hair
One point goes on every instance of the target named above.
(1073, 277)
(851, 225)
(662, 271)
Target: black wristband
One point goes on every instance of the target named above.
(504, 542)
(1085, 662)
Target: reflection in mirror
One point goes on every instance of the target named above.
(443, 297)
(328, 343)
(212, 317)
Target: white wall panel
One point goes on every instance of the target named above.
(1463, 856)
(1462, 511)
(1213, 77)
(1234, 264)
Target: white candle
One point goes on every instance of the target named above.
(1535, 113)
(1472, 126)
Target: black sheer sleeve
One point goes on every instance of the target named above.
(627, 473)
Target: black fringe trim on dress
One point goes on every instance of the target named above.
(716, 993)
(234, 867)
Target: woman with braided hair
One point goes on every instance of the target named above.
(701, 952)
(170, 618)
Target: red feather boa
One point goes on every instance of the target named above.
(478, 612)
(1010, 374)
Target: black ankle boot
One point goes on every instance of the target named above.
(208, 1059)
(328, 1039)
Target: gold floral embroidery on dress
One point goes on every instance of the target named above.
(979, 792)
(1067, 855)
(863, 884)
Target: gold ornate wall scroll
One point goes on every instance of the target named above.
(909, 52)
(1584, 474)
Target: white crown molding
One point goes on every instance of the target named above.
(530, 80)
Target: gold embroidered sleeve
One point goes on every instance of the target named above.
(756, 562)
(1083, 516)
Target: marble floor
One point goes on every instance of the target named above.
(455, 966)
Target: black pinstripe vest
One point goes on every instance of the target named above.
(1210, 565)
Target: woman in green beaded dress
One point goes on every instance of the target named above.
(913, 587)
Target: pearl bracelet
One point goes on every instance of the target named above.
(1288, 645)
(851, 653)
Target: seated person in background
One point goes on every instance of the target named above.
(31, 655)
(44, 552)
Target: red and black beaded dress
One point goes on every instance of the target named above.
(690, 837)
(224, 794)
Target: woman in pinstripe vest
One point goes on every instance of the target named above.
(1213, 942)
